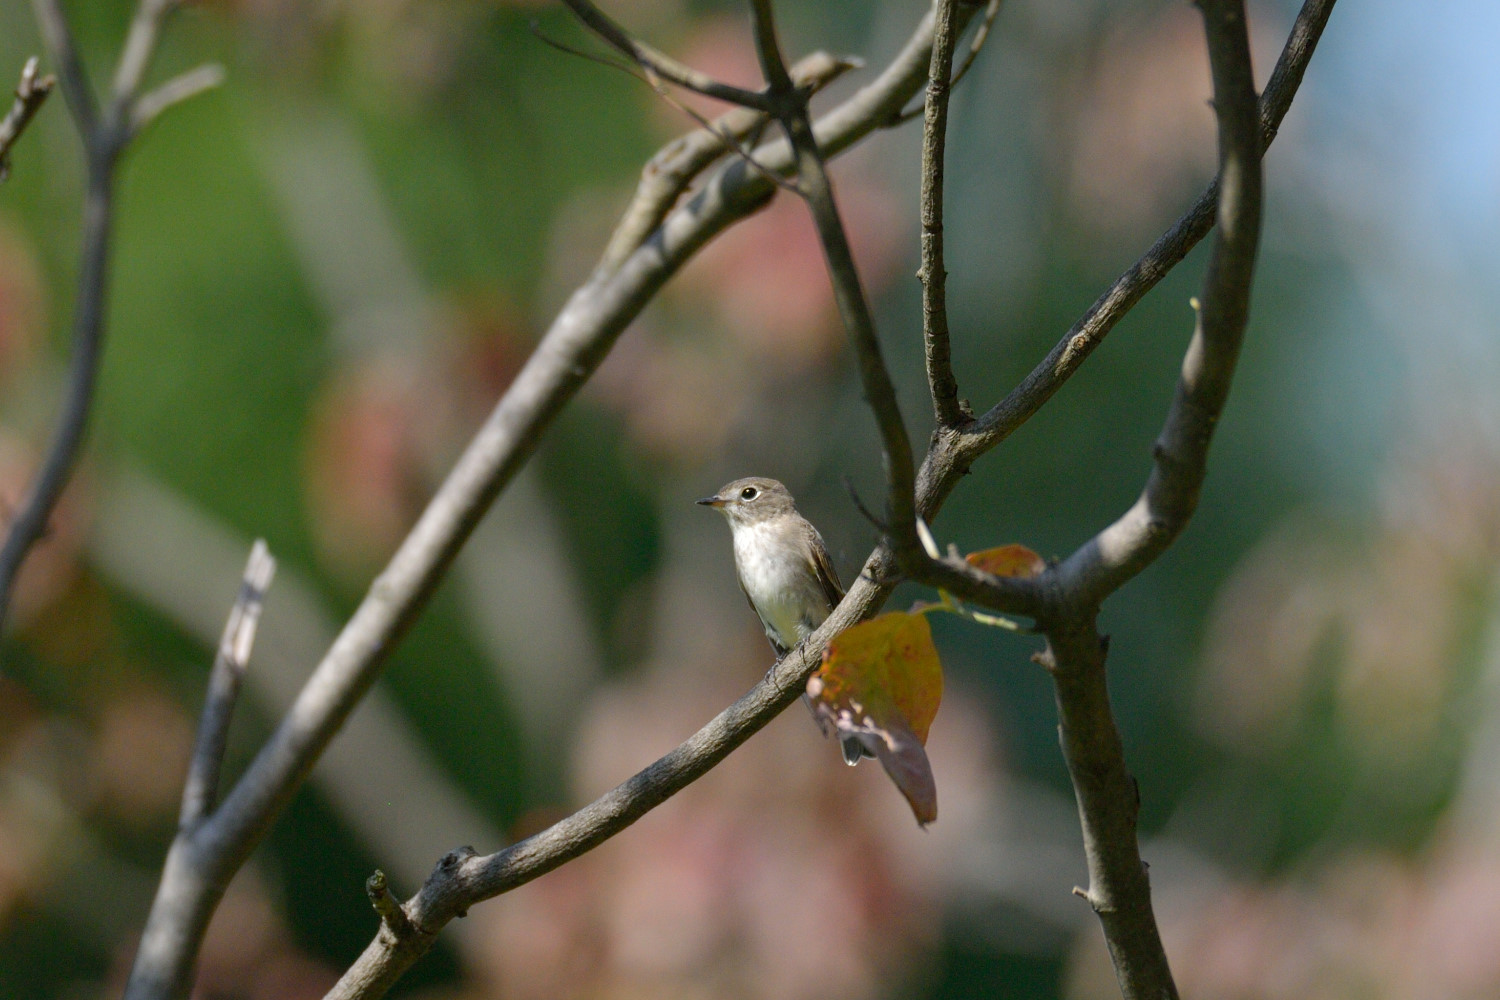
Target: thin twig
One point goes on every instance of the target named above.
(30, 93)
(174, 91)
(57, 37)
(981, 34)
(201, 787)
(392, 915)
(660, 64)
(941, 384)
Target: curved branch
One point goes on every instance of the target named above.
(1181, 453)
(941, 383)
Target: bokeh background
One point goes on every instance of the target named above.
(327, 271)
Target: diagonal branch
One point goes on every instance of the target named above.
(658, 63)
(1166, 253)
(941, 383)
(668, 173)
(30, 93)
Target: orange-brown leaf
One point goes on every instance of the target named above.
(881, 683)
(1008, 560)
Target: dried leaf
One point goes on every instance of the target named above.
(881, 683)
(1008, 560)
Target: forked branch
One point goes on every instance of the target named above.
(105, 135)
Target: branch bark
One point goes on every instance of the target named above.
(941, 383)
(463, 878)
(31, 92)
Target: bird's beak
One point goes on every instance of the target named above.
(714, 501)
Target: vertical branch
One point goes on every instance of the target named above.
(941, 383)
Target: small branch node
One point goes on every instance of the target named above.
(392, 914)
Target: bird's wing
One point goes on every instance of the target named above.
(828, 577)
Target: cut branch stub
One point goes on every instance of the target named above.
(881, 683)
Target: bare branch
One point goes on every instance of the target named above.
(848, 291)
(658, 63)
(392, 916)
(224, 686)
(976, 44)
(140, 45)
(1166, 253)
(457, 884)
(104, 138)
(30, 521)
(941, 384)
(201, 861)
(30, 93)
(174, 91)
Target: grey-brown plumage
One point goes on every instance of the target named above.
(782, 565)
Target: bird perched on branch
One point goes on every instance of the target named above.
(782, 565)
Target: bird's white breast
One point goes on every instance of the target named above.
(779, 581)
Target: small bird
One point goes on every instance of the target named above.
(782, 565)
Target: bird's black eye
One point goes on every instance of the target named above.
(748, 493)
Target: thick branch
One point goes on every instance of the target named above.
(940, 381)
(1108, 805)
(30, 93)
(200, 862)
